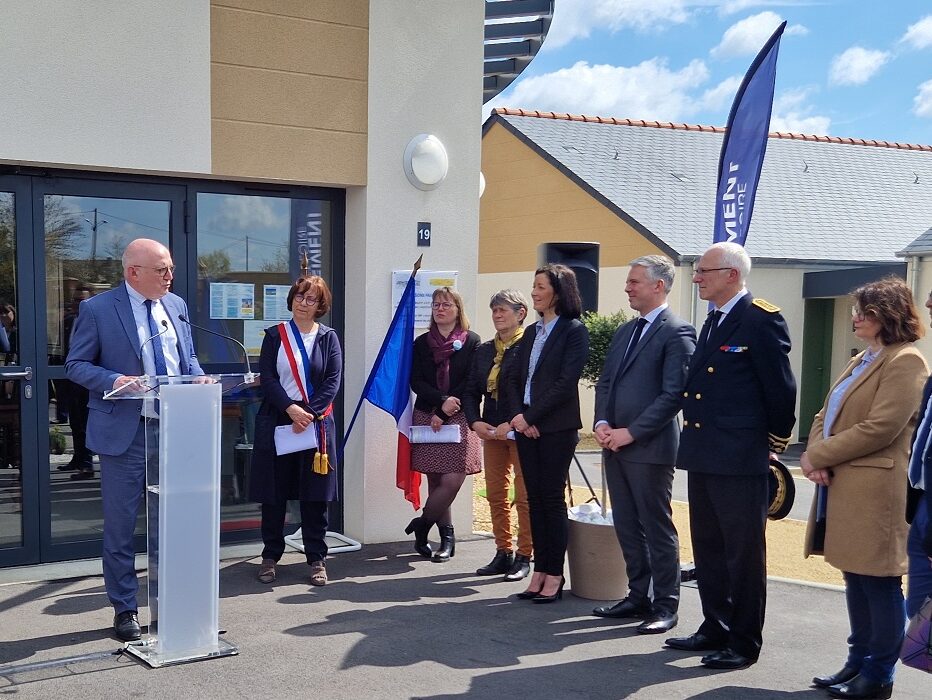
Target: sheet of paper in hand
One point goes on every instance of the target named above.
(426, 434)
(288, 441)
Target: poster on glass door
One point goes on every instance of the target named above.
(232, 300)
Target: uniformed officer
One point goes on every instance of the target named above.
(738, 406)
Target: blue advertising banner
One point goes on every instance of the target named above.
(745, 144)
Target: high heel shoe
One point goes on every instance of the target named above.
(550, 598)
(447, 544)
(529, 594)
(420, 526)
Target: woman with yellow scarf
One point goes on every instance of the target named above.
(493, 361)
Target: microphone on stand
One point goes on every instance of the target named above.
(249, 377)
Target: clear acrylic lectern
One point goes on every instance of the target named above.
(183, 514)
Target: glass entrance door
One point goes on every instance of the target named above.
(19, 523)
(60, 242)
(81, 228)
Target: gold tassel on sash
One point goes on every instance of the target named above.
(321, 463)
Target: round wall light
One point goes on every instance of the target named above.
(481, 184)
(426, 162)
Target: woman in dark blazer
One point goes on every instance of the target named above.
(551, 357)
(439, 373)
(303, 399)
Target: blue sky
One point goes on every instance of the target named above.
(858, 68)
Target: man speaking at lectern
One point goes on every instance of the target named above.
(131, 330)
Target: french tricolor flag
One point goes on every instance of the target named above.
(389, 388)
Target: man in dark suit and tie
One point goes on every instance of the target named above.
(637, 398)
(131, 330)
(738, 406)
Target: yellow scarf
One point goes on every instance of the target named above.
(500, 348)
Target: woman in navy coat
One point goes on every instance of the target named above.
(304, 400)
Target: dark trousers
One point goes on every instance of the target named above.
(920, 568)
(122, 486)
(313, 530)
(878, 622)
(545, 463)
(727, 520)
(643, 519)
(77, 418)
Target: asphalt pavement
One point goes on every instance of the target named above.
(392, 625)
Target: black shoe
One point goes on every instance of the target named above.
(843, 676)
(447, 544)
(520, 569)
(626, 608)
(420, 526)
(541, 598)
(126, 626)
(694, 642)
(70, 467)
(529, 594)
(657, 622)
(726, 659)
(82, 474)
(860, 688)
(500, 564)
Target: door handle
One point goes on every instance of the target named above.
(26, 374)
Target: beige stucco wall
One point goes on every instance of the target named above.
(289, 89)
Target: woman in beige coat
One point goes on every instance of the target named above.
(857, 455)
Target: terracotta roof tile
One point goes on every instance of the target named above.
(508, 111)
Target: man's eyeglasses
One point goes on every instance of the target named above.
(301, 299)
(442, 305)
(704, 270)
(160, 271)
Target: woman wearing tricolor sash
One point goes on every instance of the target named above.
(301, 366)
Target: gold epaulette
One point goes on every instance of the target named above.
(777, 444)
(765, 305)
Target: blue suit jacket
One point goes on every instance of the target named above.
(648, 388)
(104, 346)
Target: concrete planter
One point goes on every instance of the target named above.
(597, 565)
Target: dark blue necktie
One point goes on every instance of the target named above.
(161, 369)
(708, 330)
(635, 337)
